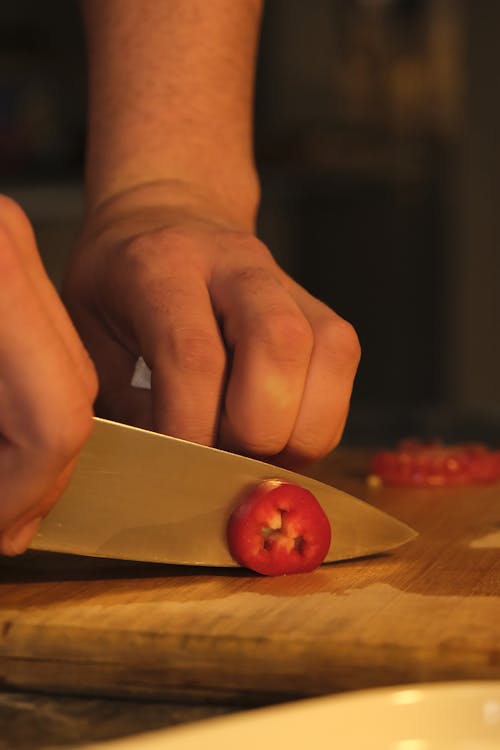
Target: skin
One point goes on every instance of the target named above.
(168, 265)
(47, 386)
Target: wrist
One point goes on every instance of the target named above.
(151, 205)
(173, 118)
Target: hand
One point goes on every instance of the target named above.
(241, 356)
(168, 268)
(47, 386)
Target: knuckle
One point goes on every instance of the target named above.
(289, 335)
(341, 339)
(197, 352)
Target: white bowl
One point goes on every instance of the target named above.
(440, 716)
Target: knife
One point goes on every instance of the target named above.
(139, 495)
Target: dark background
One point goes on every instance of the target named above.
(376, 139)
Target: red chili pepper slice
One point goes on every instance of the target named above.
(279, 528)
(419, 464)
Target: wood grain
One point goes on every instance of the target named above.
(427, 611)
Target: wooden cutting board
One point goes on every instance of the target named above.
(427, 611)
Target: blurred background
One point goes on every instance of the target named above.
(376, 139)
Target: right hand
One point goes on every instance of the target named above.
(242, 357)
(47, 386)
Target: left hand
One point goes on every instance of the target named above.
(242, 357)
(47, 386)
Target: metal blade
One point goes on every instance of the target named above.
(139, 495)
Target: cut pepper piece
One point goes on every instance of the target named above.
(278, 529)
(434, 464)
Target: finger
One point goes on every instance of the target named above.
(115, 363)
(45, 414)
(181, 342)
(271, 343)
(16, 538)
(328, 388)
(20, 232)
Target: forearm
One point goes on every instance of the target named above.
(170, 104)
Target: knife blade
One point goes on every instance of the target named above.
(140, 495)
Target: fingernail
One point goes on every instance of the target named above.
(16, 541)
